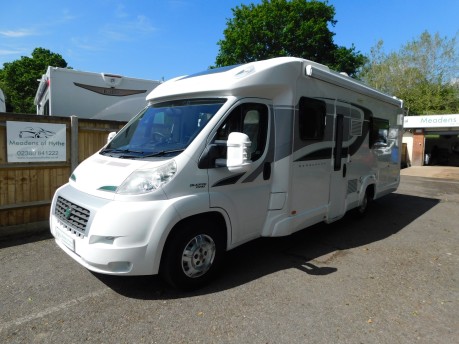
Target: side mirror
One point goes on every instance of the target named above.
(237, 153)
(238, 156)
(111, 136)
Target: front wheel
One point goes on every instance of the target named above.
(192, 255)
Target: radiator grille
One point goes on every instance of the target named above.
(72, 215)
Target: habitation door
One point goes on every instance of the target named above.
(338, 182)
(244, 194)
(310, 178)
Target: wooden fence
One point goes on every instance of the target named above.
(26, 189)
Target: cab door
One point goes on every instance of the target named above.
(244, 193)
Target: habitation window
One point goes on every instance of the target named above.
(379, 131)
(311, 118)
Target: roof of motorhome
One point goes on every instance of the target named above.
(231, 80)
(261, 76)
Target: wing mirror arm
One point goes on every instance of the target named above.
(209, 156)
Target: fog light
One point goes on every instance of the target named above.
(120, 266)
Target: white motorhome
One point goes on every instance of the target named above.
(67, 92)
(2, 102)
(223, 157)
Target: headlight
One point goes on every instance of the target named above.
(144, 181)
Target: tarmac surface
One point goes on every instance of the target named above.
(441, 172)
(390, 277)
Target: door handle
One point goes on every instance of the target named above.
(266, 171)
(344, 170)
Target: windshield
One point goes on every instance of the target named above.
(163, 129)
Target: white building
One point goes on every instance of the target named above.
(432, 140)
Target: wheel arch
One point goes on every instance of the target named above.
(370, 189)
(214, 216)
(368, 184)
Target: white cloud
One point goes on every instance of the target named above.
(18, 33)
(6, 52)
(127, 30)
(120, 11)
(86, 44)
(143, 24)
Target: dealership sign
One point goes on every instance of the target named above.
(35, 142)
(433, 121)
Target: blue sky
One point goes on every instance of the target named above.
(154, 39)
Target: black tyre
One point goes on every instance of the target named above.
(362, 209)
(192, 255)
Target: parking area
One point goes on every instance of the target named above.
(391, 277)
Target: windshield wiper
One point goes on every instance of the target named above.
(164, 152)
(109, 151)
(133, 154)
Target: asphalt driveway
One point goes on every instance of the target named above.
(392, 277)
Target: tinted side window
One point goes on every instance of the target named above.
(250, 119)
(312, 119)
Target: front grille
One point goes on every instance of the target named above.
(72, 215)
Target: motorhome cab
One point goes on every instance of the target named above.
(223, 157)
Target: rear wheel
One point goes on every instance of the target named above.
(192, 255)
(362, 209)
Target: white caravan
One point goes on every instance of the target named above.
(223, 157)
(68, 92)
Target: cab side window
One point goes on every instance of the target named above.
(250, 119)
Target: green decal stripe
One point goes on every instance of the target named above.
(108, 188)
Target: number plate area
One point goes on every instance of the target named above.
(63, 237)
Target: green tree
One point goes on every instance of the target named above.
(276, 28)
(18, 79)
(421, 73)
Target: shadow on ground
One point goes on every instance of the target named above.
(25, 238)
(306, 250)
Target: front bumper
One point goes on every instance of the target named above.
(119, 237)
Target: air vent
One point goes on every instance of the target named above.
(351, 186)
(356, 127)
